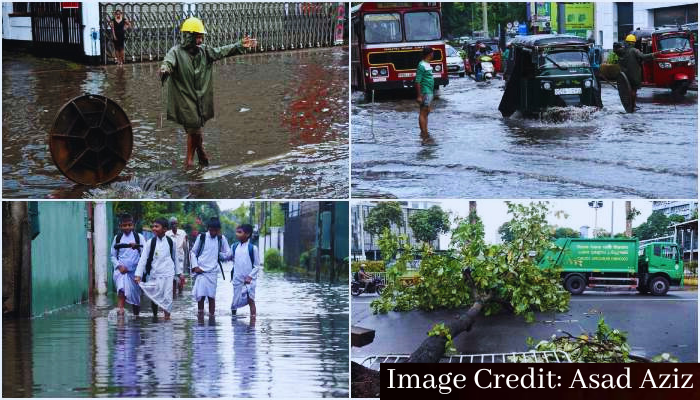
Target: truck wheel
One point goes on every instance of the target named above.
(642, 289)
(575, 284)
(659, 286)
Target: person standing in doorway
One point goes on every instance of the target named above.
(119, 24)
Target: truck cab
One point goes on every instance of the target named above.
(663, 265)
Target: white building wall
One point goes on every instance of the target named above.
(15, 28)
(644, 12)
(605, 24)
(91, 21)
(643, 17)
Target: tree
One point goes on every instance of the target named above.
(484, 278)
(459, 19)
(382, 216)
(428, 224)
(630, 214)
(656, 225)
(675, 219)
(504, 231)
(564, 232)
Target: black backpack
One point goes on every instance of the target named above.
(149, 260)
(202, 239)
(118, 246)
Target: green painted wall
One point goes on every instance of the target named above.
(112, 224)
(342, 219)
(59, 256)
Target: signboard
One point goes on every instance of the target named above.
(75, 4)
(579, 18)
(522, 29)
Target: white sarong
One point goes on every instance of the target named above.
(205, 285)
(125, 283)
(160, 291)
(242, 292)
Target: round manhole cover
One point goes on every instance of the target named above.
(91, 140)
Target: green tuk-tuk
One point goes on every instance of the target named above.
(549, 71)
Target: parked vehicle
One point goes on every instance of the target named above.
(491, 49)
(589, 263)
(387, 44)
(357, 287)
(674, 68)
(549, 71)
(455, 63)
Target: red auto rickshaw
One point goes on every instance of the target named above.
(674, 66)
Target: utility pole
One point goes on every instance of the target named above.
(100, 242)
(486, 19)
(612, 217)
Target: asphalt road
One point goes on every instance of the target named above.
(654, 325)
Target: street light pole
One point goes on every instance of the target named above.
(595, 204)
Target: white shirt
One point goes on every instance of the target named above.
(211, 254)
(242, 267)
(162, 265)
(126, 257)
(180, 242)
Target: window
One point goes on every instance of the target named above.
(674, 43)
(565, 59)
(451, 52)
(383, 28)
(294, 209)
(657, 250)
(669, 252)
(422, 26)
(20, 10)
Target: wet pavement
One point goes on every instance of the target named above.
(477, 153)
(296, 347)
(654, 325)
(280, 128)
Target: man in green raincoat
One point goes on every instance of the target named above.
(631, 60)
(190, 87)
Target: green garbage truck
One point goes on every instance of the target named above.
(588, 263)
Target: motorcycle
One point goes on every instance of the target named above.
(375, 286)
(487, 70)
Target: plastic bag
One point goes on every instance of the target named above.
(242, 299)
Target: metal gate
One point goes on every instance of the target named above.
(277, 26)
(57, 30)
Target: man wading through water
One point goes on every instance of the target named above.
(631, 60)
(190, 89)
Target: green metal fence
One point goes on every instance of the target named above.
(59, 256)
(277, 26)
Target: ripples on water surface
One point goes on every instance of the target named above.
(298, 347)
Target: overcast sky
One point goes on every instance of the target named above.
(494, 213)
(230, 204)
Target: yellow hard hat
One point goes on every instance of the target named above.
(631, 38)
(193, 24)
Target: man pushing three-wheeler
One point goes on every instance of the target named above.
(190, 88)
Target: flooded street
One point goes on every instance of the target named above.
(297, 347)
(477, 153)
(280, 128)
